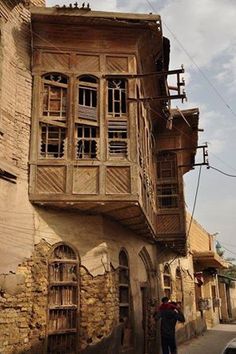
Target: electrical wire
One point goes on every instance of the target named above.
(224, 173)
(182, 132)
(217, 92)
(225, 163)
(227, 244)
(195, 200)
(234, 253)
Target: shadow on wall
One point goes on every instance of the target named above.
(108, 345)
(191, 329)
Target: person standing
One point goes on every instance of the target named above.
(169, 313)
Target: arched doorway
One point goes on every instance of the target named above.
(148, 294)
(63, 296)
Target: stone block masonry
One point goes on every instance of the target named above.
(24, 301)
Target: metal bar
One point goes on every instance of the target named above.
(155, 73)
(159, 98)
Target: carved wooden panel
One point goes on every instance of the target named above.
(87, 63)
(118, 180)
(117, 64)
(85, 180)
(168, 223)
(55, 61)
(50, 179)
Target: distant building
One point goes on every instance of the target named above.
(92, 159)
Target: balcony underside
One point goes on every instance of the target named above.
(175, 242)
(209, 259)
(127, 213)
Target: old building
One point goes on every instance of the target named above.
(91, 189)
(193, 281)
(227, 292)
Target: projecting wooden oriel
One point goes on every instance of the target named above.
(92, 150)
(94, 143)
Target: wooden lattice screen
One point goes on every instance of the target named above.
(63, 301)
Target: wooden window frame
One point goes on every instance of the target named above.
(124, 286)
(49, 84)
(55, 122)
(117, 121)
(167, 181)
(167, 275)
(87, 147)
(63, 284)
(112, 99)
(87, 113)
(47, 141)
(167, 196)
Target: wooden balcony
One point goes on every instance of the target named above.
(93, 189)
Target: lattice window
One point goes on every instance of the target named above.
(117, 137)
(52, 141)
(124, 284)
(63, 301)
(117, 124)
(87, 142)
(167, 196)
(167, 281)
(166, 166)
(117, 95)
(54, 96)
(167, 184)
(87, 99)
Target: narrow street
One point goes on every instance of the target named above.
(212, 342)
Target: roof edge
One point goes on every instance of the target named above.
(74, 12)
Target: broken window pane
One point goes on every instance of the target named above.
(52, 141)
(54, 96)
(87, 142)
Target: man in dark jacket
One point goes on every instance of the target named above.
(169, 316)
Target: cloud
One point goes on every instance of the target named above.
(205, 28)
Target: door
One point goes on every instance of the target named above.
(63, 302)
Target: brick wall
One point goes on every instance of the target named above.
(16, 83)
(199, 238)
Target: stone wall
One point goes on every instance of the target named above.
(23, 305)
(23, 302)
(99, 306)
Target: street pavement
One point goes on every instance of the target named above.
(211, 342)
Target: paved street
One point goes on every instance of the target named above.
(212, 342)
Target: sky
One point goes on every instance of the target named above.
(203, 39)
